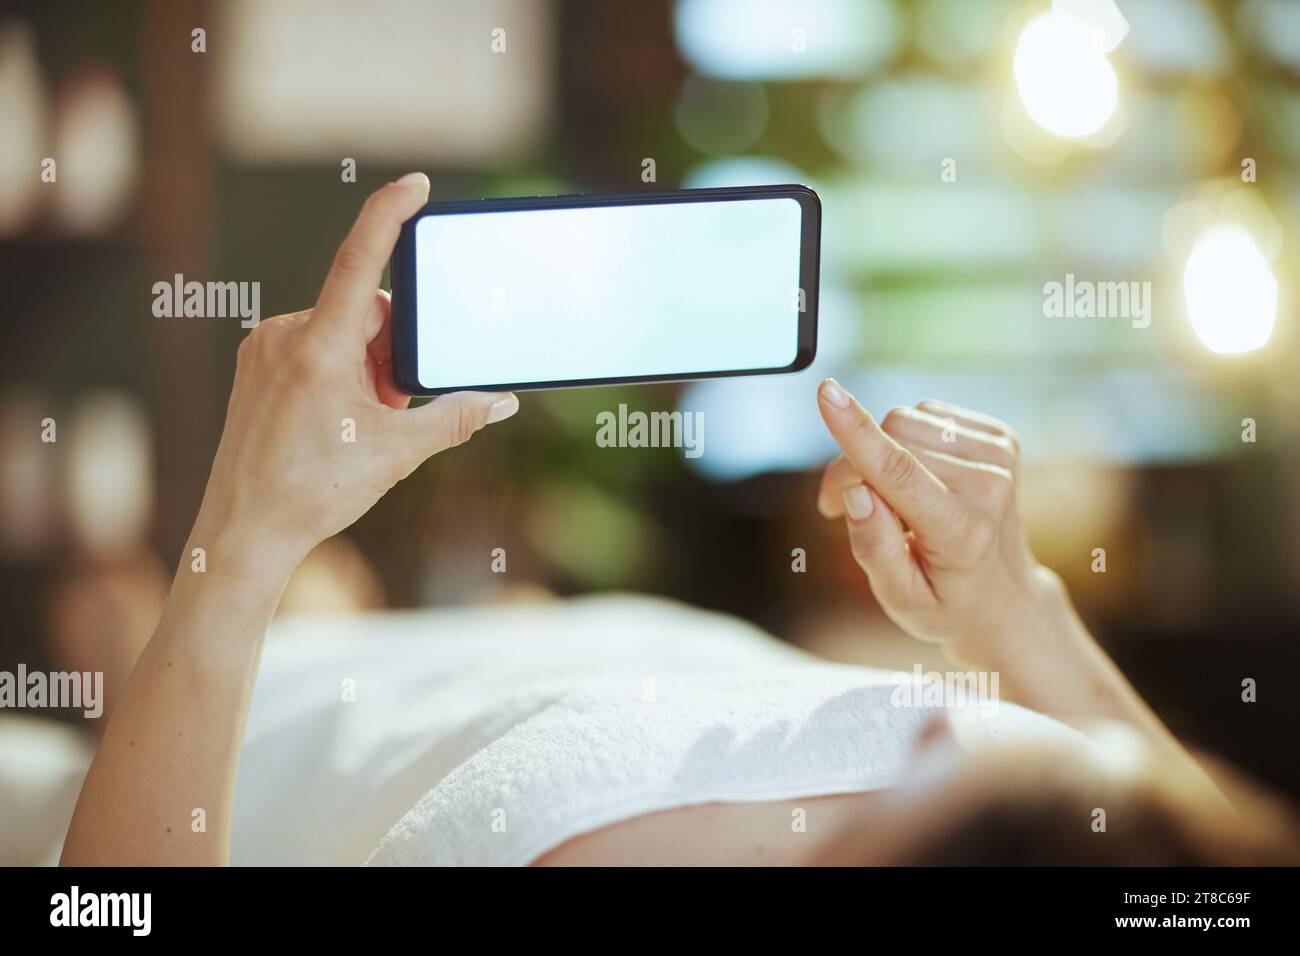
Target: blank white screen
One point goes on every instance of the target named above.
(606, 291)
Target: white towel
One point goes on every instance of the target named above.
(42, 764)
(355, 718)
(603, 754)
(492, 735)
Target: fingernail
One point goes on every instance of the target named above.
(835, 394)
(503, 409)
(857, 502)
(414, 179)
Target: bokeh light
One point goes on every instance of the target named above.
(96, 139)
(109, 473)
(1231, 291)
(719, 117)
(771, 39)
(22, 104)
(1065, 80)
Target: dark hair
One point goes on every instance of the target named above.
(1155, 820)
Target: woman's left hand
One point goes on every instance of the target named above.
(929, 497)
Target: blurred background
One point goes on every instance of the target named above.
(967, 153)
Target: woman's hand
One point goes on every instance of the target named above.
(316, 430)
(286, 476)
(929, 497)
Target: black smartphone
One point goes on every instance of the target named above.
(559, 291)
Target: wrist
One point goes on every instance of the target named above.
(217, 612)
(241, 552)
(1039, 622)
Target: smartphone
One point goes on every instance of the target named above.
(561, 291)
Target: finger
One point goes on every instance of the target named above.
(961, 474)
(914, 427)
(451, 420)
(359, 264)
(881, 547)
(377, 330)
(839, 474)
(977, 421)
(379, 354)
(892, 471)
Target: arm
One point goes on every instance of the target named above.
(282, 481)
(960, 574)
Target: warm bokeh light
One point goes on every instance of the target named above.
(294, 85)
(28, 508)
(22, 104)
(109, 474)
(96, 138)
(1231, 291)
(1065, 81)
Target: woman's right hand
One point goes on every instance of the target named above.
(929, 498)
(317, 429)
(316, 432)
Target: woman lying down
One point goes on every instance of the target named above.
(615, 730)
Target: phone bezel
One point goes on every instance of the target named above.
(402, 274)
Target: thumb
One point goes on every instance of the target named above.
(880, 546)
(451, 420)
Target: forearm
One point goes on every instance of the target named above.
(1047, 660)
(282, 481)
(161, 786)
